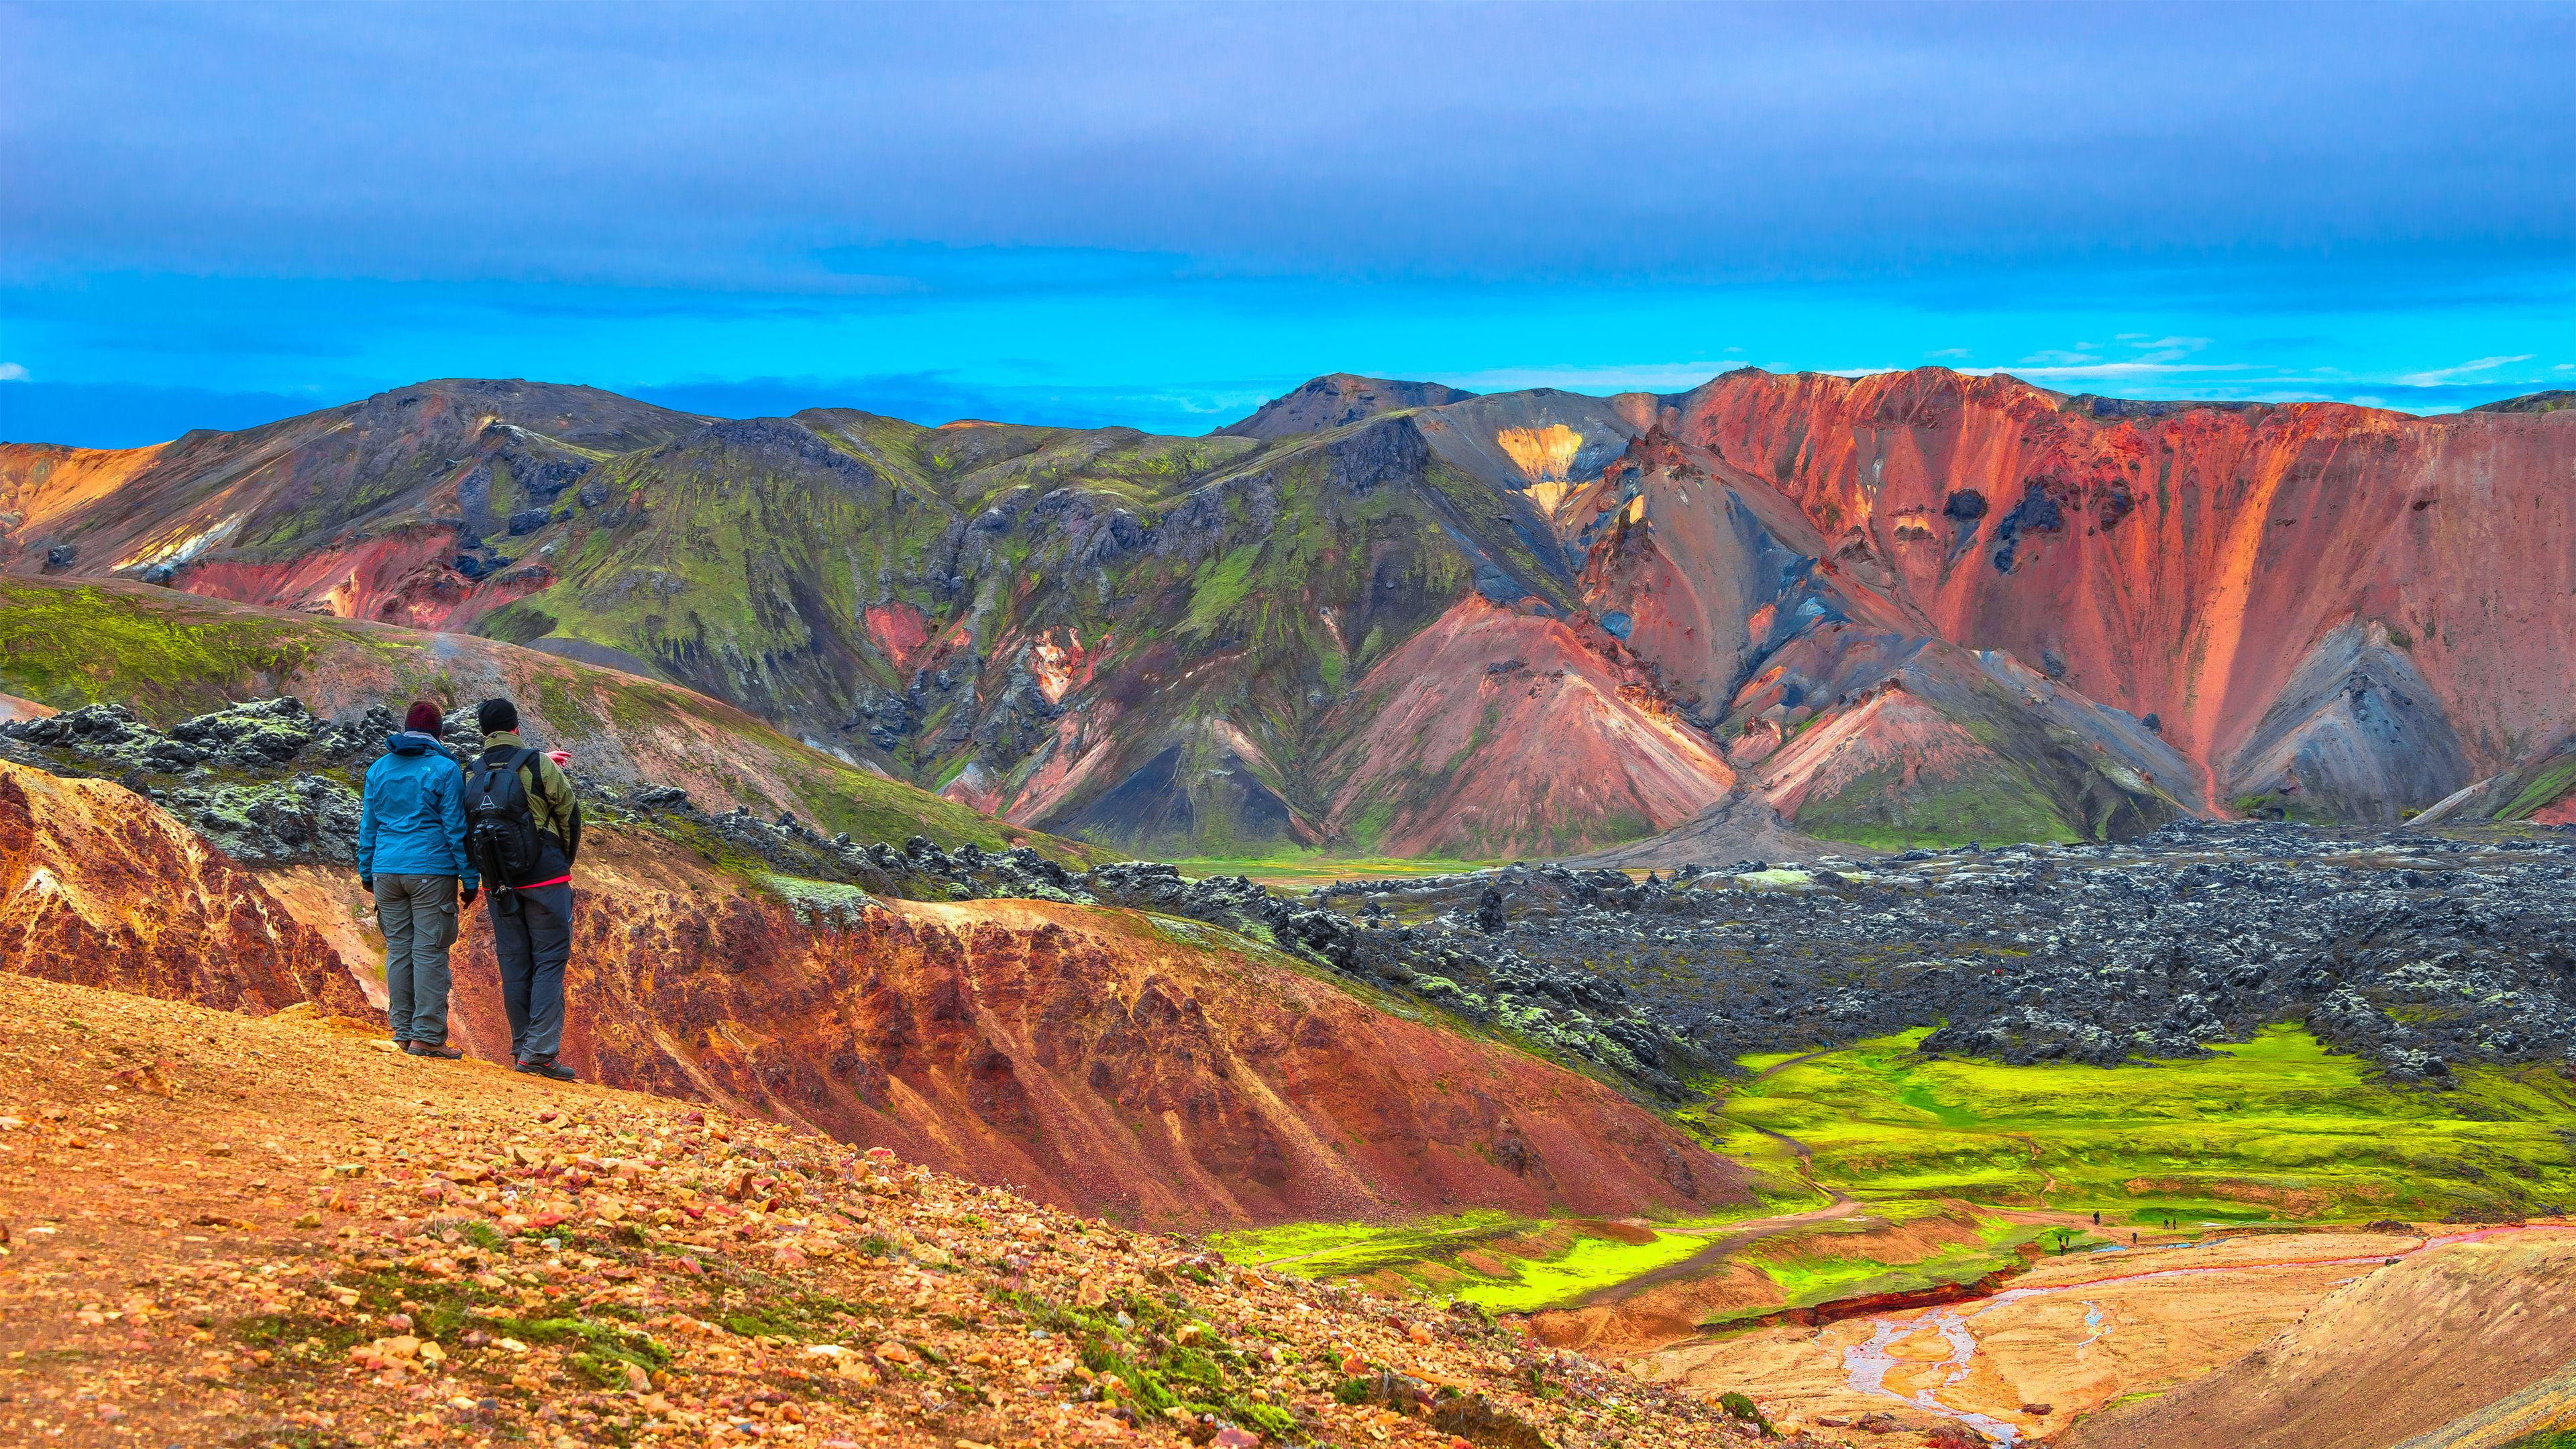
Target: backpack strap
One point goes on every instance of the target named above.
(511, 763)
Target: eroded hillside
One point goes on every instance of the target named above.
(1166, 1069)
(1913, 609)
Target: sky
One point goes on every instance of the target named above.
(215, 215)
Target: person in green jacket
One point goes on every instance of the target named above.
(530, 908)
(412, 859)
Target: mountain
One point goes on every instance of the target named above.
(169, 655)
(1337, 400)
(1910, 609)
(376, 509)
(2330, 611)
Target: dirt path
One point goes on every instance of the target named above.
(1737, 1234)
(2047, 1179)
(1776, 1068)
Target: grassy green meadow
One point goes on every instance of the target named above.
(2272, 1128)
(1938, 1150)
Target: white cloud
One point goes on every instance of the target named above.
(2440, 375)
(1630, 377)
(13, 372)
(2075, 369)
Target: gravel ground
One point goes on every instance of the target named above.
(275, 1232)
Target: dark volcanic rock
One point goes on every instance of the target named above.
(2416, 950)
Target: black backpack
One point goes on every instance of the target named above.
(500, 829)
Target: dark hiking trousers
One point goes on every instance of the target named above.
(532, 941)
(417, 913)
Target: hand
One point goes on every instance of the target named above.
(367, 883)
(561, 758)
(466, 898)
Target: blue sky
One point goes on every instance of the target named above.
(1159, 215)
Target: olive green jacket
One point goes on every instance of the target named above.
(550, 797)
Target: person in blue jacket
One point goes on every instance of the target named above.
(412, 859)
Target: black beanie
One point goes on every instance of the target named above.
(496, 716)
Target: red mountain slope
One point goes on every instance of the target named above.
(1159, 1070)
(1494, 730)
(1839, 703)
(358, 510)
(2335, 607)
(100, 888)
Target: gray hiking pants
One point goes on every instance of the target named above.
(532, 942)
(418, 916)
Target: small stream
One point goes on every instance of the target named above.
(1868, 1363)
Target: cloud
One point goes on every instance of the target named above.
(2441, 375)
(13, 372)
(1595, 378)
(2076, 369)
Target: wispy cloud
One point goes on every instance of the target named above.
(2440, 375)
(13, 372)
(2084, 369)
(1605, 378)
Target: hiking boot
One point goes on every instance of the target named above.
(440, 1050)
(548, 1067)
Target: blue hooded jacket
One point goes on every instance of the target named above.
(411, 820)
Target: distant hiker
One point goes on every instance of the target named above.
(526, 829)
(412, 858)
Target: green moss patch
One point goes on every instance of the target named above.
(2272, 1128)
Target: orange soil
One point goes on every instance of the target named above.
(41, 482)
(2404, 1351)
(214, 1222)
(2155, 1331)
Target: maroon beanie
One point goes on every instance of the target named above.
(424, 718)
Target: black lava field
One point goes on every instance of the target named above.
(2418, 950)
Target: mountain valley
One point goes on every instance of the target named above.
(1909, 609)
(1910, 909)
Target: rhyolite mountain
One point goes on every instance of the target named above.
(1394, 617)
